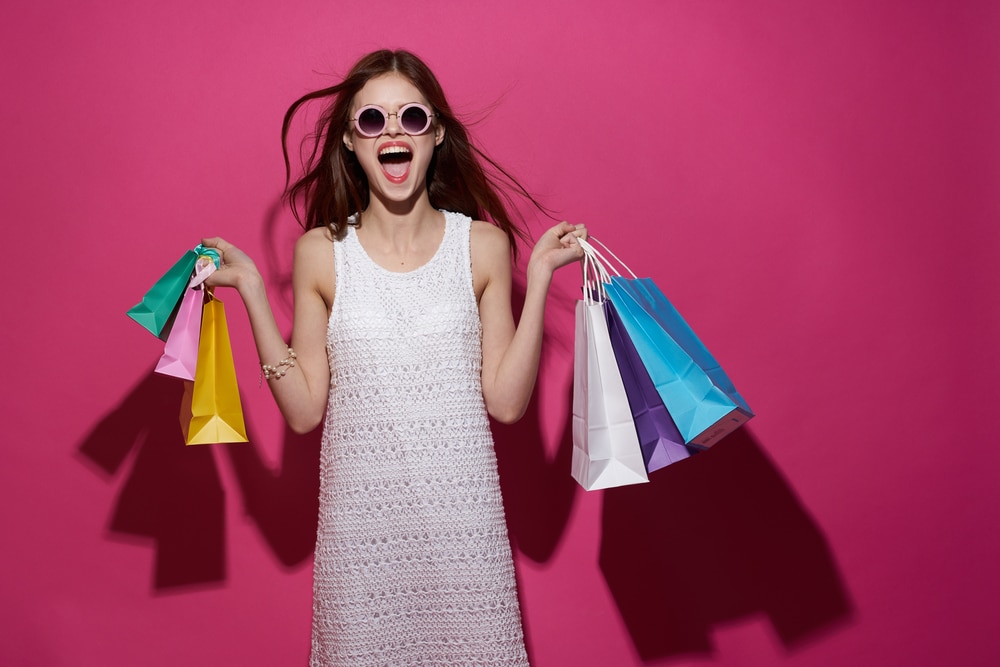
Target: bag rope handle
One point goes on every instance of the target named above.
(604, 260)
(592, 283)
(203, 268)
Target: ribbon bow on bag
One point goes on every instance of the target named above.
(183, 312)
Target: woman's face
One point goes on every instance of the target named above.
(394, 161)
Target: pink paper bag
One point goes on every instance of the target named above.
(180, 352)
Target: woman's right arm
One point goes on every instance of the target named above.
(303, 392)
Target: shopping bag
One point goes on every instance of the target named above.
(667, 316)
(606, 449)
(180, 353)
(216, 410)
(660, 441)
(157, 307)
(698, 395)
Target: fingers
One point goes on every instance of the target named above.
(222, 246)
(568, 233)
(564, 228)
(216, 242)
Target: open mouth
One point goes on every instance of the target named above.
(395, 161)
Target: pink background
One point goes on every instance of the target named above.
(813, 183)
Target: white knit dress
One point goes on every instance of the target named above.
(413, 564)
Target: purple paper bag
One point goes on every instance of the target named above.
(659, 439)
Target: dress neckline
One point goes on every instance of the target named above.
(352, 233)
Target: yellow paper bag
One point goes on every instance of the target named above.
(216, 411)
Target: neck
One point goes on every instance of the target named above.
(398, 214)
(401, 242)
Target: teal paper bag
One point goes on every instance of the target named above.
(157, 306)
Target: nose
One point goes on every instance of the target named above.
(392, 127)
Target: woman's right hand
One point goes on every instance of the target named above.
(236, 268)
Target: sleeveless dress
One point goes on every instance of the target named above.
(413, 564)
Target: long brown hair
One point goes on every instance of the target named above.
(334, 186)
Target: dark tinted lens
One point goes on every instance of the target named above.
(413, 120)
(371, 122)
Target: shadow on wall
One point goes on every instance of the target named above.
(172, 494)
(538, 493)
(711, 539)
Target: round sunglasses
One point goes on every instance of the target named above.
(371, 120)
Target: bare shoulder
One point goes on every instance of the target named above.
(491, 260)
(315, 240)
(314, 265)
(489, 242)
(314, 248)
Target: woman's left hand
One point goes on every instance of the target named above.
(557, 247)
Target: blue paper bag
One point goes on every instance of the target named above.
(703, 412)
(670, 319)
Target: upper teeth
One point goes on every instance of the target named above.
(393, 149)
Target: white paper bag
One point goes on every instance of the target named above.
(606, 450)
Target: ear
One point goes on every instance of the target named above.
(348, 140)
(438, 134)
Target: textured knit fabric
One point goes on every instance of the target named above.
(413, 564)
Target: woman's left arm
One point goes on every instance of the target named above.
(511, 354)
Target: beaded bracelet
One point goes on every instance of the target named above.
(278, 370)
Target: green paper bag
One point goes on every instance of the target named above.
(156, 310)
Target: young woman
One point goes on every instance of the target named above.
(404, 342)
